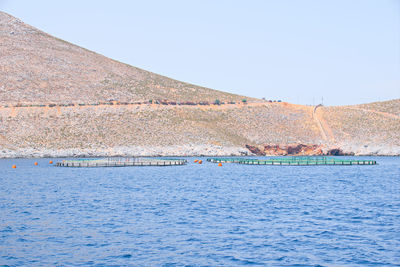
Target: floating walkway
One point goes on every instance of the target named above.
(295, 161)
(121, 162)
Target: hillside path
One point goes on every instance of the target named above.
(326, 131)
(385, 114)
(14, 109)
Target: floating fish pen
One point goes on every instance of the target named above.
(225, 160)
(295, 161)
(121, 162)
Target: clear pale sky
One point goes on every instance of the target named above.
(346, 51)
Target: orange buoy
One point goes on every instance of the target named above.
(220, 164)
(14, 166)
(50, 162)
(200, 161)
(36, 163)
(196, 160)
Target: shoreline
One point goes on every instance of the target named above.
(174, 151)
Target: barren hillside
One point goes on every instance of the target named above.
(58, 99)
(109, 127)
(364, 130)
(391, 107)
(38, 68)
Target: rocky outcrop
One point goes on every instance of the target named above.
(338, 152)
(295, 150)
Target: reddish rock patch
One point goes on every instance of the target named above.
(294, 150)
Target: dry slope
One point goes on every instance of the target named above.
(366, 129)
(38, 68)
(153, 129)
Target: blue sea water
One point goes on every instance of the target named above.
(200, 215)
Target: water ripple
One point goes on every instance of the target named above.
(200, 215)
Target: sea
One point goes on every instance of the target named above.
(200, 215)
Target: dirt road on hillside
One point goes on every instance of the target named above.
(326, 131)
(385, 114)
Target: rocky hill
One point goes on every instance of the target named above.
(365, 129)
(39, 68)
(391, 107)
(58, 99)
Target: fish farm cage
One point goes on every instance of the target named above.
(121, 162)
(295, 161)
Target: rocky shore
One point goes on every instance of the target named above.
(204, 150)
(323, 150)
(138, 151)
